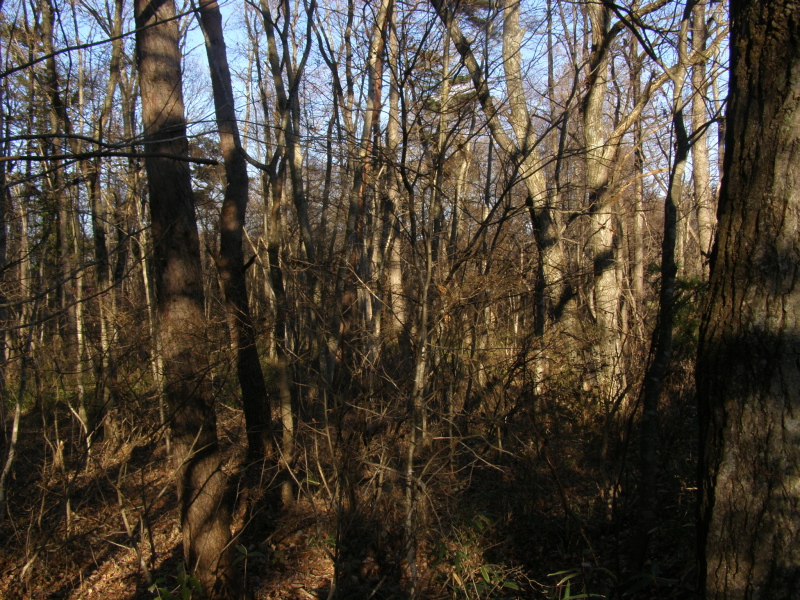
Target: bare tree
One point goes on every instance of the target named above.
(547, 226)
(201, 483)
(232, 217)
(703, 194)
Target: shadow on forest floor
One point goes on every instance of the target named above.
(545, 516)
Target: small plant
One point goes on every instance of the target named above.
(578, 582)
(187, 587)
(468, 576)
(245, 555)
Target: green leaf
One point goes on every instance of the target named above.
(160, 592)
(566, 578)
(511, 585)
(557, 573)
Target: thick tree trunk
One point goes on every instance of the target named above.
(231, 224)
(748, 375)
(201, 483)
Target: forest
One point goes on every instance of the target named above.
(400, 299)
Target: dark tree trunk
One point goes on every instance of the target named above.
(231, 225)
(748, 374)
(660, 350)
(201, 483)
(661, 346)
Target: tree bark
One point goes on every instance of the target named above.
(201, 483)
(748, 375)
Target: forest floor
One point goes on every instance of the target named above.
(547, 515)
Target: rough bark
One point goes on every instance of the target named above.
(748, 375)
(201, 483)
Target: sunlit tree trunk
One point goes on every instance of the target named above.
(395, 314)
(636, 228)
(602, 144)
(600, 157)
(231, 255)
(547, 227)
(201, 483)
(703, 196)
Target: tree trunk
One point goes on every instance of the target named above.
(231, 224)
(600, 156)
(748, 375)
(703, 197)
(397, 322)
(543, 202)
(4, 205)
(201, 483)
(661, 348)
(547, 226)
(636, 254)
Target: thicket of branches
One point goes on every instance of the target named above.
(476, 239)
